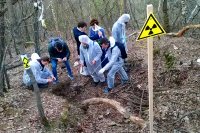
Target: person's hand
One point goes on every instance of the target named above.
(101, 71)
(65, 59)
(82, 65)
(100, 33)
(93, 62)
(53, 78)
(59, 60)
(50, 80)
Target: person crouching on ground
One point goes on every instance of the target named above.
(91, 52)
(59, 52)
(40, 72)
(115, 62)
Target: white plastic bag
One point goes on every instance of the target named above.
(84, 71)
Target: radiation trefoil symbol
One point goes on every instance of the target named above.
(25, 62)
(151, 28)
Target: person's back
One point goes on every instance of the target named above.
(117, 32)
(54, 52)
(59, 52)
(118, 29)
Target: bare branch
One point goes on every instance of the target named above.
(24, 19)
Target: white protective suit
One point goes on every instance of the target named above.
(40, 76)
(115, 63)
(92, 52)
(118, 29)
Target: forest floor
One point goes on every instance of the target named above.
(176, 89)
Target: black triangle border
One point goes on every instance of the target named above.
(151, 15)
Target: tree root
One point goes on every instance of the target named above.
(179, 34)
(117, 105)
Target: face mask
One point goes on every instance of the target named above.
(126, 23)
(86, 46)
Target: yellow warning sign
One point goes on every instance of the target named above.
(151, 28)
(25, 62)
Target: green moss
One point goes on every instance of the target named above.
(53, 123)
(64, 118)
(3, 126)
(12, 112)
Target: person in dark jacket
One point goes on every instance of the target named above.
(59, 52)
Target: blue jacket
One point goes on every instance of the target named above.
(93, 33)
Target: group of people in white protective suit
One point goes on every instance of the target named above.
(91, 49)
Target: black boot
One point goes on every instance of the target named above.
(95, 84)
(104, 83)
(43, 85)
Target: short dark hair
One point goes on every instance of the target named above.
(45, 58)
(104, 40)
(82, 24)
(59, 46)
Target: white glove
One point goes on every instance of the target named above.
(101, 71)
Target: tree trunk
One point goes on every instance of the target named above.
(54, 18)
(133, 15)
(165, 17)
(36, 31)
(125, 9)
(103, 21)
(19, 42)
(2, 46)
(24, 14)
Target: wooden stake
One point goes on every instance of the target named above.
(150, 72)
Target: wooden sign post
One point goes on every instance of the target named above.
(150, 72)
(150, 29)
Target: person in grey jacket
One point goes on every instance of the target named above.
(115, 62)
(119, 29)
(42, 74)
(91, 52)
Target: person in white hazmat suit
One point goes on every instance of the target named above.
(115, 62)
(91, 52)
(42, 74)
(119, 29)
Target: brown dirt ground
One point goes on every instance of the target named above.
(176, 92)
(64, 97)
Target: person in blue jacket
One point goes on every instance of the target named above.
(115, 62)
(94, 28)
